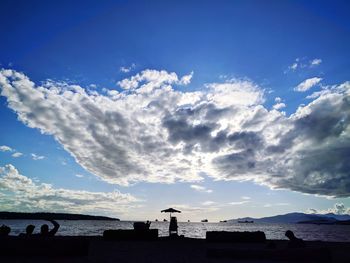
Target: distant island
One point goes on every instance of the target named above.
(56, 216)
(299, 218)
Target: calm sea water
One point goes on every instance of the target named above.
(196, 230)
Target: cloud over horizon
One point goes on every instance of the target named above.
(154, 133)
(21, 193)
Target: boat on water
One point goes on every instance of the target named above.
(223, 221)
(164, 220)
(245, 221)
(204, 220)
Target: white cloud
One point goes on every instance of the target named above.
(153, 79)
(294, 66)
(315, 62)
(185, 80)
(153, 133)
(275, 204)
(208, 203)
(4, 148)
(36, 157)
(302, 63)
(20, 193)
(279, 106)
(235, 93)
(239, 202)
(201, 189)
(338, 209)
(246, 198)
(127, 69)
(278, 99)
(17, 154)
(79, 175)
(307, 84)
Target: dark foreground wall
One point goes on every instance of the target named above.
(98, 249)
(44, 246)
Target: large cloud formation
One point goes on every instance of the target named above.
(19, 192)
(154, 133)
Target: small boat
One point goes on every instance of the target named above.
(223, 221)
(188, 221)
(156, 220)
(204, 220)
(164, 220)
(245, 221)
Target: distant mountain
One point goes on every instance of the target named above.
(295, 218)
(56, 216)
(338, 217)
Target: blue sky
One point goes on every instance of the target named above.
(212, 88)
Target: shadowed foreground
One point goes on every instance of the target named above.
(97, 249)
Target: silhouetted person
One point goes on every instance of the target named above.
(4, 231)
(142, 226)
(173, 226)
(294, 242)
(29, 231)
(44, 230)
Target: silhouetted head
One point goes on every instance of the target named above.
(5, 230)
(30, 229)
(290, 234)
(44, 230)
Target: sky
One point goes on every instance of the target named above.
(221, 109)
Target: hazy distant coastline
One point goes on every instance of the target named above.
(56, 216)
(300, 218)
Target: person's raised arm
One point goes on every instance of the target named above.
(55, 229)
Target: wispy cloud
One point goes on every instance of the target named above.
(17, 154)
(200, 188)
(315, 62)
(208, 203)
(79, 175)
(307, 84)
(127, 69)
(278, 104)
(4, 148)
(275, 204)
(36, 157)
(303, 63)
(239, 202)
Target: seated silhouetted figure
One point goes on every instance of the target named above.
(29, 231)
(4, 231)
(173, 226)
(142, 226)
(294, 242)
(44, 230)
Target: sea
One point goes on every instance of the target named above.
(335, 233)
